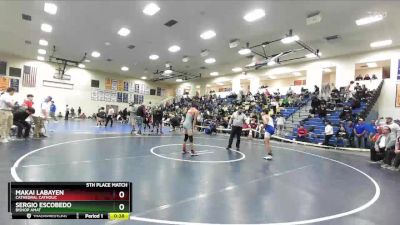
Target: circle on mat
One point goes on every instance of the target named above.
(242, 155)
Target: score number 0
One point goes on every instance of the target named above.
(121, 195)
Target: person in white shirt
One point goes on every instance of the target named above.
(237, 120)
(394, 127)
(6, 116)
(110, 115)
(41, 115)
(328, 132)
(280, 123)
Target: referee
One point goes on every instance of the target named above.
(236, 122)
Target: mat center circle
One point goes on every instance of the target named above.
(203, 154)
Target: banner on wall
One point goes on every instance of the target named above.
(4, 83)
(95, 95)
(114, 84)
(398, 70)
(136, 88)
(158, 91)
(119, 96)
(397, 104)
(107, 96)
(126, 86)
(113, 96)
(14, 83)
(101, 95)
(131, 97)
(108, 84)
(131, 86)
(120, 85)
(125, 97)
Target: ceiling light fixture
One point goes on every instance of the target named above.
(50, 8)
(154, 57)
(151, 9)
(210, 60)
(237, 69)
(208, 34)
(107, 43)
(87, 60)
(185, 59)
(254, 15)
(174, 48)
(244, 51)
(95, 54)
(168, 71)
(378, 44)
(369, 19)
(290, 39)
(40, 58)
(42, 51)
(327, 70)
(124, 31)
(143, 78)
(81, 65)
(214, 74)
(312, 55)
(297, 73)
(124, 68)
(372, 65)
(179, 80)
(43, 42)
(46, 27)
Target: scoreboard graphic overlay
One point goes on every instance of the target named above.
(70, 200)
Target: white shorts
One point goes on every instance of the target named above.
(267, 135)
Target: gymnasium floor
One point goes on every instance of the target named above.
(301, 185)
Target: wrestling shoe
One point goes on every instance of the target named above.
(193, 153)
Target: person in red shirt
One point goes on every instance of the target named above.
(28, 102)
(301, 134)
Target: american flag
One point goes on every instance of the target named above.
(29, 76)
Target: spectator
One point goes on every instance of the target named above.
(301, 134)
(316, 90)
(371, 130)
(374, 77)
(346, 113)
(359, 77)
(53, 111)
(342, 135)
(28, 102)
(394, 127)
(328, 132)
(396, 155)
(72, 112)
(280, 123)
(366, 77)
(359, 134)
(66, 112)
(20, 121)
(385, 150)
(377, 151)
(79, 111)
(6, 116)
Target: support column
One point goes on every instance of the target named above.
(236, 85)
(344, 73)
(254, 85)
(314, 77)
